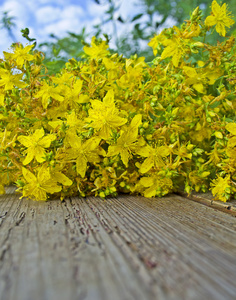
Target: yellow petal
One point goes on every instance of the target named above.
(124, 156)
(25, 140)
(108, 100)
(51, 187)
(62, 178)
(39, 154)
(231, 142)
(29, 157)
(2, 96)
(81, 165)
(146, 181)
(29, 177)
(143, 151)
(231, 127)
(38, 134)
(74, 140)
(55, 124)
(220, 28)
(113, 150)
(210, 21)
(116, 121)
(45, 142)
(150, 192)
(215, 7)
(176, 58)
(78, 85)
(163, 151)
(105, 132)
(91, 144)
(147, 164)
(136, 121)
(199, 87)
(44, 174)
(191, 72)
(83, 99)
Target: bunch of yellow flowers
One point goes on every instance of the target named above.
(109, 124)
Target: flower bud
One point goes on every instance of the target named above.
(195, 12)
(198, 44)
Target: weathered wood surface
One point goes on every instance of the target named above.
(124, 248)
(209, 200)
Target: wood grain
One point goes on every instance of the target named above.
(120, 248)
(209, 200)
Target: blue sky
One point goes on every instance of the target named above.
(44, 17)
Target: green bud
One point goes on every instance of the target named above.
(141, 130)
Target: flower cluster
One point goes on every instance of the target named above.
(109, 124)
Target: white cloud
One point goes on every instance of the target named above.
(47, 14)
(4, 39)
(60, 28)
(128, 9)
(17, 10)
(96, 10)
(73, 11)
(66, 19)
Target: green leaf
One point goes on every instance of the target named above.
(136, 17)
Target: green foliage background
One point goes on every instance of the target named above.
(59, 50)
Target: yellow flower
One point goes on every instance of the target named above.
(155, 41)
(154, 186)
(97, 50)
(134, 74)
(10, 81)
(64, 79)
(105, 116)
(231, 150)
(220, 188)
(38, 187)
(194, 79)
(20, 54)
(82, 152)
(36, 144)
(214, 155)
(176, 46)
(154, 157)
(46, 92)
(219, 17)
(201, 78)
(126, 143)
(73, 122)
(73, 94)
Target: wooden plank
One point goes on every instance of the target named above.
(209, 200)
(120, 248)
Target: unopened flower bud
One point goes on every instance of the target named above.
(198, 44)
(196, 14)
